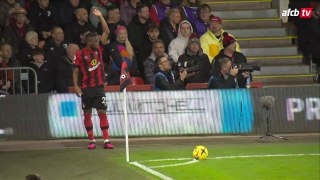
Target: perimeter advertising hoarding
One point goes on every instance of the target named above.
(159, 113)
(24, 117)
(296, 109)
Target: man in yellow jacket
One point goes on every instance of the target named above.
(211, 41)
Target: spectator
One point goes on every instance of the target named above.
(65, 68)
(165, 79)
(178, 45)
(43, 17)
(189, 9)
(6, 77)
(223, 75)
(113, 21)
(159, 10)
(137, 31)
(14, 34)
(152, 35)
(27, 48)
(150, 65)
(194, 57)
(45, 75)
(229, 45)
(74, 30)
(115, 53)
(128, 10)
(315, 41)
(211, 41)
(67, 12)
(202, 22)
(55, 46)
(10, 61)
(169, 27)
(7, 8)
(101, 5)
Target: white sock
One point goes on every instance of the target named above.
(106, 141)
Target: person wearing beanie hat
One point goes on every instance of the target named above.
(211, 41)
(194, 57)
(227, 40)
(229, 51)
(178, 44)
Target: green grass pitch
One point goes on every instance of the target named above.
(242, 160)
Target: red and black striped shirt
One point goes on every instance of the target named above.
(91, 67)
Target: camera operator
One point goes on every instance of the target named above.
(165, 78)
(229, 45)
(195, 59)
(223, 77)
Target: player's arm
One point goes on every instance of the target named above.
(75, 81)
(105, 28)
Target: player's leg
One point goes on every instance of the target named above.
(100, 104)
(87, 103)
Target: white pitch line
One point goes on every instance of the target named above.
(233, 157)
(170, 159)
(264, 155)
(156, 173)
(178, 164)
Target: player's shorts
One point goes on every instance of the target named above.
(94, 97)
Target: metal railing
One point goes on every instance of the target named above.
(21, 76)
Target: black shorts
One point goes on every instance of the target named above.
(94, 97)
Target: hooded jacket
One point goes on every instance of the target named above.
(178, 45)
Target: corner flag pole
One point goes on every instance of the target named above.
(126, 122)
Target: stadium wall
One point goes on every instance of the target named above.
(166, 113)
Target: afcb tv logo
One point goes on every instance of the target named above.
(303, 13)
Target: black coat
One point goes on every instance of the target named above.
(74, 30)
(217, 81)
(53, 52)
(45, 78)
(11, 36)
(25, 54)
(167, 32)
(201, 61)
(237, 59)
(137, 33)
(64, 74)
(43, 19)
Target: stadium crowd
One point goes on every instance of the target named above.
(45, 35)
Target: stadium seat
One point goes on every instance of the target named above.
(197, 86)
(136, 81)
(257, 85)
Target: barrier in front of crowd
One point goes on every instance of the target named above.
(166, 113)
(21, 81)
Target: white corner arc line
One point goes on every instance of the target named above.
(156, 173)
(178, 164)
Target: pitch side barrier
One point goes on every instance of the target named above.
(166, 113)
(19, 78)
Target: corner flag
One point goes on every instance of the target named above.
(125, 75)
